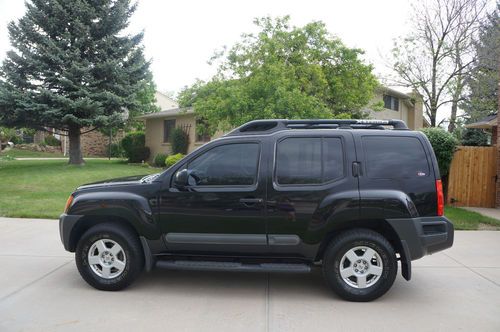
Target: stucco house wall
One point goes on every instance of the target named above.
(155, 122)
(410, 108)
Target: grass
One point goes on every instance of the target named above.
(468, 220)
(17, 153)
(39, 188)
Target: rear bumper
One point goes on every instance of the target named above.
(66, 224)
(423, 236)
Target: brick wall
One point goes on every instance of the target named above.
(95, 143)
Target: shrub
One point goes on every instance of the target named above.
(117, 150)
(179, 140)
(160, 159)
(16, 140)
(171, 160)
(133, 145)
(474, 137)
(6, 134)
(52, 141)
(444, 145)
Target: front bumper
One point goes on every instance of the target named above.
(423, 236)
(67, 223)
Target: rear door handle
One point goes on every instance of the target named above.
(251, 201)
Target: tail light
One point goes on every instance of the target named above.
(440, 198)
(68, 203)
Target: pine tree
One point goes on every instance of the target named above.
(72, 67)
(483, 83)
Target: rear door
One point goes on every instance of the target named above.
(311, 182)
(397, 175)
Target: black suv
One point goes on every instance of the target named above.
(351, 196)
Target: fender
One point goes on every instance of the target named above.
(334, 209)
(386, 204)
(133, 208)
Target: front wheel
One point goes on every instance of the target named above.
(360, 265)
(109, 257)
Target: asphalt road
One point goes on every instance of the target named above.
(41, 290)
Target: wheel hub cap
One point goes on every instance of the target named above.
(361, 267)
(107, 258)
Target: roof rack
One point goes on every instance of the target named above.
(269, 126)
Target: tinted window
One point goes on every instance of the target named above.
(394, 157)
(309, 160)
(333, 158)
(232, 164)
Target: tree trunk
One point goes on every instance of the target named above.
(432, 117)
(453, 117)
(75, 152)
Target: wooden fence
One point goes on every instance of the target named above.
(471, 181)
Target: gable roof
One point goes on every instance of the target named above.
(167, 113)
(487, 122)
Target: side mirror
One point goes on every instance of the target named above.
(181, 178)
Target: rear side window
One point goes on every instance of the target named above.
(309, 160)
(394, 157)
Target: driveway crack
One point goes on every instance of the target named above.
(472, 270)
(5, 297)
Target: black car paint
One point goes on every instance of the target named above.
(282, 222)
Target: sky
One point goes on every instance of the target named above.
(181, 36)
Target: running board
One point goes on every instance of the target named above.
(232, 266)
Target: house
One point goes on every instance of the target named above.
(401, 106)
(397, 105)
(160, 125)
(488, 123)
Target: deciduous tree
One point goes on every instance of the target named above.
(283, 72)
(436, 56)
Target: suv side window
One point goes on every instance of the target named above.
(234, 164)
(394, 157)
(309, 160)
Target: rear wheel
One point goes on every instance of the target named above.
(360, 265)
(109, 257)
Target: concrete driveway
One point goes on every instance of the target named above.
(41, 290)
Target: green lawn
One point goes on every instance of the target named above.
(467, 220)
(17, 153)
(39, 188)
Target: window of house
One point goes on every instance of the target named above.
(234, 164)
(391, 102)
(168, 126)
(309, 160)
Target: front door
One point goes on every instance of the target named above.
(222, 207)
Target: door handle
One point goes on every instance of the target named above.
(251, 201)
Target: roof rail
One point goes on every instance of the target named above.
(273, 125)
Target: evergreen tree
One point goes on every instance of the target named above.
(483, 84)
(72, 67)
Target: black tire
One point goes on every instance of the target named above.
(132, 251)
(340, 246)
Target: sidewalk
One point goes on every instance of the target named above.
(63, 158)
(488, 212)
